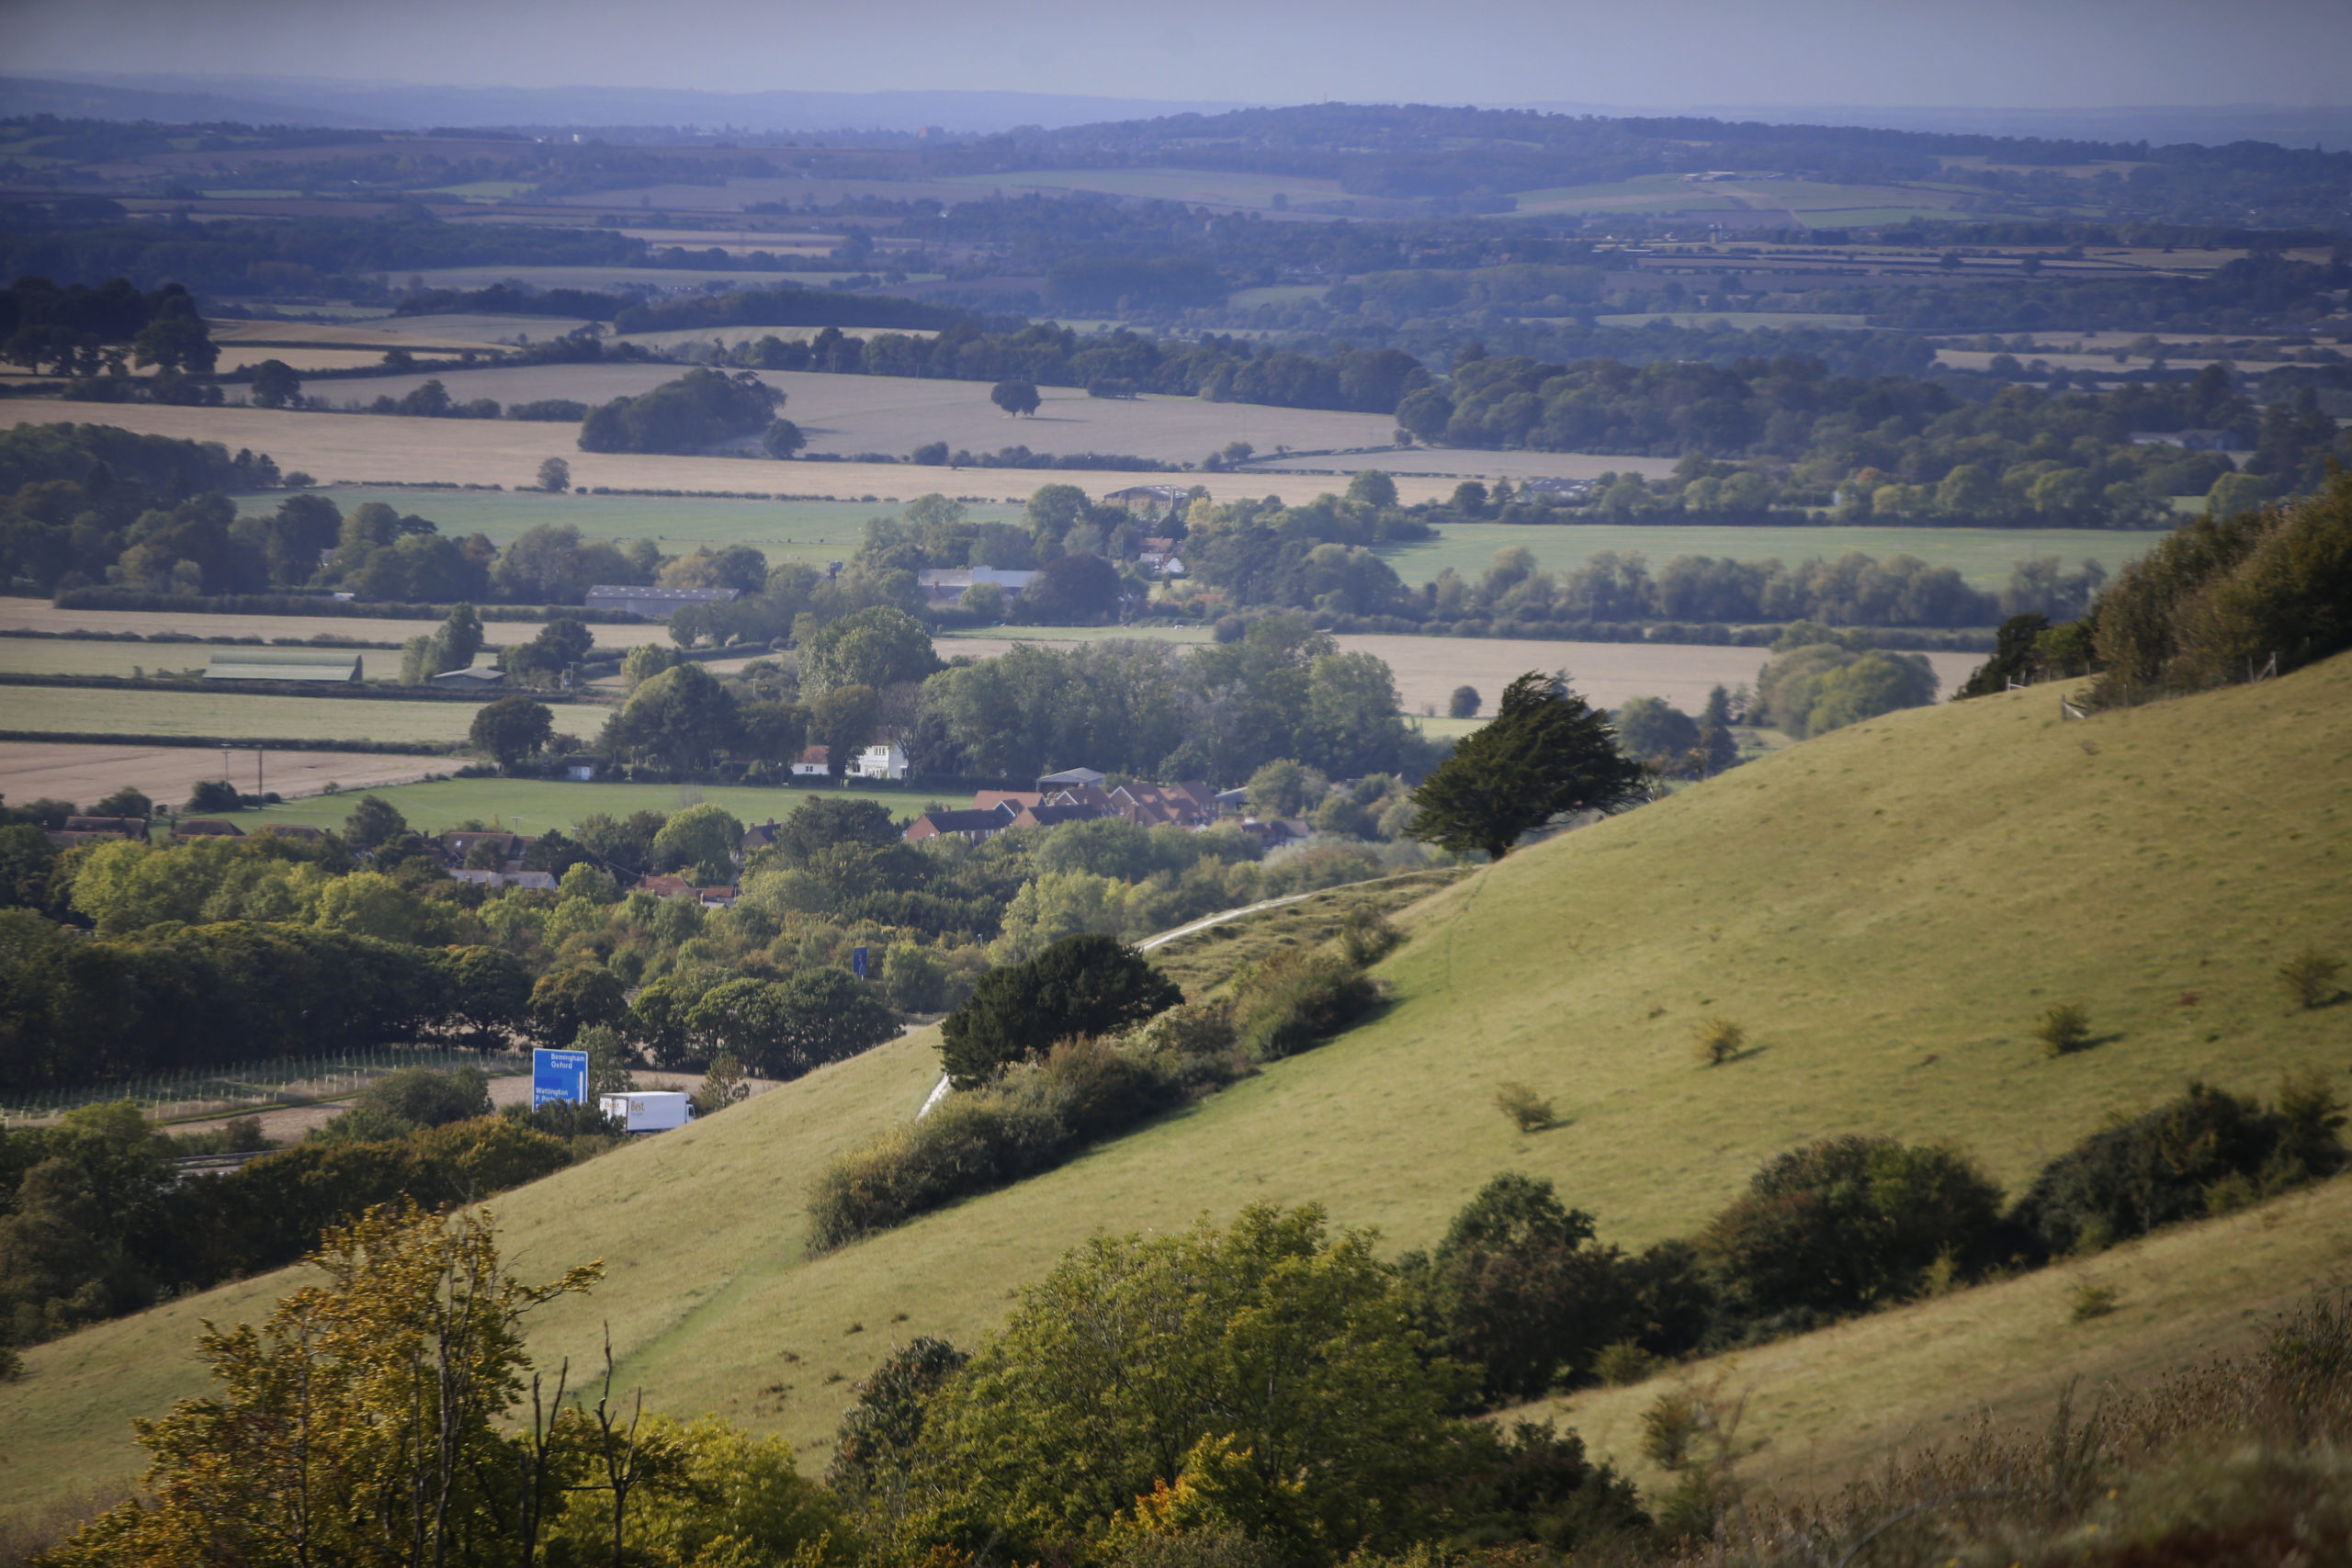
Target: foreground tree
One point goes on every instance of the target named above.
(365, 1423)
(1545, 753)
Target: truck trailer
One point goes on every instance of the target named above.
(659, 1111)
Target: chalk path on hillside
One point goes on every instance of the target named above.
(939, 1089)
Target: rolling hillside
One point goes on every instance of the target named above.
(1886, 909)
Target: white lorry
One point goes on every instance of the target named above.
(654, 1112)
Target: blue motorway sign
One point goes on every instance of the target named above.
(857, 960)
(558, 1076)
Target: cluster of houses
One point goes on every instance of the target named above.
(1077, 795)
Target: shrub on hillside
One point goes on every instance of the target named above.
(1528, 1111)
(2065, 1027)
(1080, 987)
(2177, 1161)
(1849, 1222)
(1719, 1040)
(2310, 977)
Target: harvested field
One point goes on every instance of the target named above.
(390, 449)
(67, 655)
(32, 614)
(30, 771)
(1427, 669)
(418, 334)
(69, 710)
(895, 415)
(1446, 467)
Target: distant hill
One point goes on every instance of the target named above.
(1886, 909)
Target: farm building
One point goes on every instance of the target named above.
(655, 604)
(1148, 500)
(945, 587)
(284, 664)
(474, 675)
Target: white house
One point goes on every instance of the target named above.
(881, 759)
(814, 762)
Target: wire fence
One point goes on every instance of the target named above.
(284, 1080)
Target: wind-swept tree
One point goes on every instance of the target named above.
(1545, 753)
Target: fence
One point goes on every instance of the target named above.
(287, 1081)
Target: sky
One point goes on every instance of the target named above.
(1652, 53)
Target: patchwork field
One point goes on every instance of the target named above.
(31, 771)
(536, 805)
(1831, 204)
(81, 711)
(1983, 556)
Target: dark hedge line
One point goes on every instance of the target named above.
(307, 604)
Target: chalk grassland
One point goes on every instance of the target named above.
(1984, 556)
(536, 805)
(31, 614)
(1427, 669)
(391, 449)
(895, 415)
(1886, 909)
(815, 531)
(1825, 1405)
(81, 711)
(35, 770)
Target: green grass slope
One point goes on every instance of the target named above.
(1886, 909)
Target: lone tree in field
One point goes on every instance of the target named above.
(555, 476)
(1544, 754)
(1014, 396)
(275, 385)
(1081, 985)
(511, 729)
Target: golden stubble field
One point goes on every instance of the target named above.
(32, 770)
(388, 449)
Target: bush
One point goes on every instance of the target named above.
(1294, 998)
(2163, 1167)
(2088, 1301)
(1623, 1364)
(410, 1100)
(1849, 1223)
(1080, 987)
(2065, 1028)
(2310, 977)
(1719, 1041)
(1528, 1111)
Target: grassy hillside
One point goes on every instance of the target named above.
(1886, 909)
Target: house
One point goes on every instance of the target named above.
(717, 898)
(1159, 558)
(458, 848)
(1156, 500)
(813, 761)
(1186, 805)
(990, 799)
(2187, 440)
(1069, 778)
(758, 836)
(655, 604)
(1055, 816)
(206, 827)
(947, 587)
(580, 769)
(472, 676)
(1556, 490)
(974, 827)
(542, 881)
(666, 887)
(284, 664)
(880, 758)
(1232, 802)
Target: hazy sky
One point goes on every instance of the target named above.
(2036, 53)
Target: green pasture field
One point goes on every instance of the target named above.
(1886, 909)
(1983, 556)
(813, 531)
(249, 715)
(74, 656)
(536, 805)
